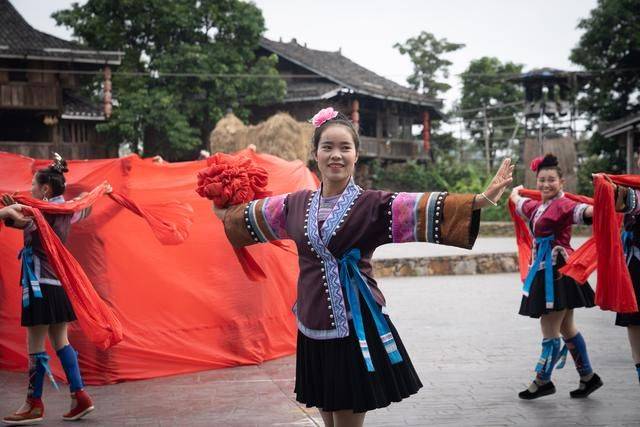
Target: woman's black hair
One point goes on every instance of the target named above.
(550, 162)
(54, 176)
(340, 119)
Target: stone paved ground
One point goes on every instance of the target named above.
(472, 352)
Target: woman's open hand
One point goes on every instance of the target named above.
(495, 189)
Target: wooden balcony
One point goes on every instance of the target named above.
(391, 149)
(30, 96)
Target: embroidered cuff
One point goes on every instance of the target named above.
(436, 217)
(631, 202)
(578, 213)
(416, 217)
(460, 224)
(237, 226)
(519, 205)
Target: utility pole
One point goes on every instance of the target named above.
(487, 152)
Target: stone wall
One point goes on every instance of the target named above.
(505, 229)
(447, 265)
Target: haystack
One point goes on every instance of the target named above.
(280, 136)
(229, 135)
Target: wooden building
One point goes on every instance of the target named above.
(41, 109)
(627, 132)
(384, 111)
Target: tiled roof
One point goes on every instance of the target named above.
(609, 129)
(344, 72)
(18, 39)
(76, 107)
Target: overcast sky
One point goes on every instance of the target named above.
(534, 33)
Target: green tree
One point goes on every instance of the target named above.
(429, 67)
(610, 48)
(171, 114)
(487, 94)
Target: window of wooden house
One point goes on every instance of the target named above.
(75, 132)
(405, 130)
(367, 124)
(23, 126)
(17, 76)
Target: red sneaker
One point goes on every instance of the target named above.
(33, 415)
(81, 405)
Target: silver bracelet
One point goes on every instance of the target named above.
(488, 199)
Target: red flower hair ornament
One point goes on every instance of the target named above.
(535, 163)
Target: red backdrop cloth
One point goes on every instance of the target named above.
(183, 308)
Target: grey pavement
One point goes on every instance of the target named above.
(483, 245)
(471, 349)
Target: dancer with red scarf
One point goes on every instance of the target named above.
(628, 202)
(547, 294)
(46, 309)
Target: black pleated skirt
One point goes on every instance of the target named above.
(632, 319)
(331, 374)
(568, 294)
(53, 307)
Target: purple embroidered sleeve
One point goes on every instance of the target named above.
(404, 214)
(273, 211)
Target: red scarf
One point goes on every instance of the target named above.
(95, 317)
(615, 289)
(525, 241)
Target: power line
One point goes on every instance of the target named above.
(158, 74)
(462, 119)
(559, 73)
(490, 107)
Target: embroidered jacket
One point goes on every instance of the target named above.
(361, 219)
(552, 218)
(60, 224)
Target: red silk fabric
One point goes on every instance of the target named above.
(615, 289)
(182, 308)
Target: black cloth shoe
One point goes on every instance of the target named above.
(542, 390)
(589, 387)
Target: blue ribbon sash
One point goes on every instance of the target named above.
(355, 285)
(543, 254)
(551, 354)
(43, 358)
(29, 278)
(627, 244)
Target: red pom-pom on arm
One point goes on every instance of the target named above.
(230, 180)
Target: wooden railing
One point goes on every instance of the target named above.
(30, 96)
(393, 149)
(44, 150)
